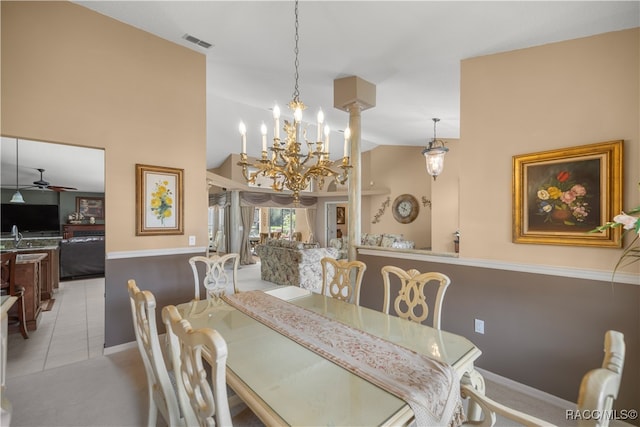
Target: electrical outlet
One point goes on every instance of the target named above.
(192, 240)
(479, 326)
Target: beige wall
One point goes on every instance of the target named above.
(402, 170)
(558, 95)
(70, 75)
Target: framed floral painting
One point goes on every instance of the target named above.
(159, 200)
(559, 196)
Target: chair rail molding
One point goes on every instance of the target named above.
(155, 252)
(445, 258)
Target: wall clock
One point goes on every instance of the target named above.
(405, 208)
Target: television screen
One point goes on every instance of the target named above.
(30, 218)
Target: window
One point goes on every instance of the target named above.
(283, 221)
(255, 227)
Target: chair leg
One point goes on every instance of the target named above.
(22, 318)
(152, 416)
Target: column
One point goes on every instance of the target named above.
(354, 95)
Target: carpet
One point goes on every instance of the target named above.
(47, 305)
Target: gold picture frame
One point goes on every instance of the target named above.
(561, 195)
(159, 200)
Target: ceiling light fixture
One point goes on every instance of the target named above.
(17, 196)
(434, 153)
(287, 166)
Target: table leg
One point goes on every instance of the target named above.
(473, 378)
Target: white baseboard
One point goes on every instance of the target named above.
(120, 347)
(527, 390)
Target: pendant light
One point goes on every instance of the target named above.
(17, 197)
(434, 153)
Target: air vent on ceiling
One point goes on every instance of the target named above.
(195, 40)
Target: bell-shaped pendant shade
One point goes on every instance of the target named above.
(17, 198)
(435, 161)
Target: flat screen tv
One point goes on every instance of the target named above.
(30, 218)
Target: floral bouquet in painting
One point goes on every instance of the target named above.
(629, 221)
(162, 201)
(562, 200)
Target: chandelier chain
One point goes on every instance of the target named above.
(296, 90)
(287, 166)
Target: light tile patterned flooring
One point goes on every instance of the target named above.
(60, 377)
(71, 332)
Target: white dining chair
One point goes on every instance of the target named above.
(341, 279)
(598, 389)
(216, 279)
(204, 402)
(411, 302)
(161, 393)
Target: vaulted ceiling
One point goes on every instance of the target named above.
(411, 51)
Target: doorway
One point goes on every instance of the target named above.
(336, 220)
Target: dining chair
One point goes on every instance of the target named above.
(216, 279)
(161, 392)
(598, 389)
(411, 301)
(341, 279)
(8, 286)
(195, 354)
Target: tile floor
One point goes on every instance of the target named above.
(60, 377)
(71, 332)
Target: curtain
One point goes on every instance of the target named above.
(311, 223)
(221, 202)
(246, 214)
(270, 200)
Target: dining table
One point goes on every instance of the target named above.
(285, 382)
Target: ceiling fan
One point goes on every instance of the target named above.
(45, 185)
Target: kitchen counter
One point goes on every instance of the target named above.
(30, 258)
(49, 264)
(32, 248)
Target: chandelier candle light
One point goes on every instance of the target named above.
(287, 166)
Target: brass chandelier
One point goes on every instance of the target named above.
(287, 166)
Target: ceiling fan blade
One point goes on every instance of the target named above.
(59, 188)
(30, 186)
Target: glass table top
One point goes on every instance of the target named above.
(301, 386)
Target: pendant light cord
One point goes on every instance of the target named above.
(17, 163)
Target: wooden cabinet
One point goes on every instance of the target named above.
(49, 270)
(78, 230)
(28, 275)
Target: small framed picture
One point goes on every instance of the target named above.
(159, 200)
(340, 215)
(90, 207)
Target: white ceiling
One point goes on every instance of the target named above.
(411, 51)
(64, 165)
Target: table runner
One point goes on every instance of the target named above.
(430, 387)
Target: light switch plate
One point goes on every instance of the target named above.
(479, 326)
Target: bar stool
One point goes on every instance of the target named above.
(8, 286)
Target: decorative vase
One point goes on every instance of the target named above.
(561, 214)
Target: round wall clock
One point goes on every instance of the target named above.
(405, 208)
